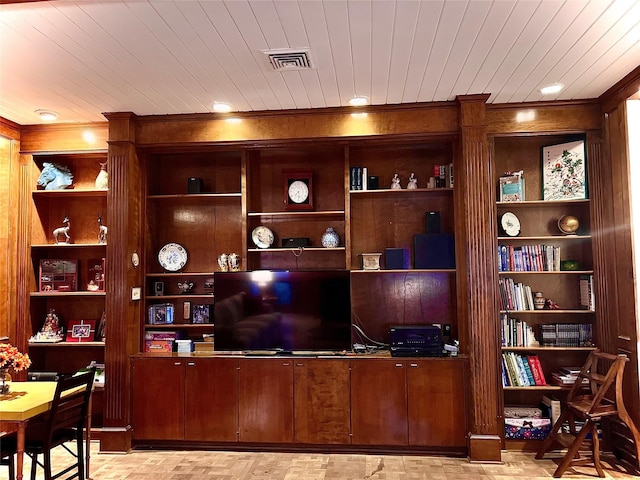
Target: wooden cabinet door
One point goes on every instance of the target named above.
(266, 400)
(378, 402)
(321, 399)
(158, 398)
(436, 402)
(211, 399)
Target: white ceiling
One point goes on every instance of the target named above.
(82, 58)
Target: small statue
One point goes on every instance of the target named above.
(54, 177)
(413, 182)
(64, 230)
(185, 287)
(395, 182)
(102, 180)
(102, 234)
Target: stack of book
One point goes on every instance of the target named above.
(567, 376)
(551, 408)
(521, 370)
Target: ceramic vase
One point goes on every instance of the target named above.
(5, 381)
(330, 238)
(539, 301)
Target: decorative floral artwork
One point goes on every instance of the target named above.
(564, 172)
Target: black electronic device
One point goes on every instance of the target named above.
(432, 222)
(396, 258)
(373, 182)
(295, 242)
(194, 185)
(415, 341)
(434, 250)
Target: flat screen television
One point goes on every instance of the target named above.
(282, 311)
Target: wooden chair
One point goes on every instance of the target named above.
(64, 422)
(603, 398)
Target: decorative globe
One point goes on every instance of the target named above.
(568, 224)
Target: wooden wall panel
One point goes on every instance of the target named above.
(474, 198)
(64, 137)
(276, 127)
(578, 116)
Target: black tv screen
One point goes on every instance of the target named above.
(284, 311)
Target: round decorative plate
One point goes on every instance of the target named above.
(172, 257)
(262, 237)
(510, 224)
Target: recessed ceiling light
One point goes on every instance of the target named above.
(550, 89)
(359, 101)
(47, 115)
(221, 107)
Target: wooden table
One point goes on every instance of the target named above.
(25, 401)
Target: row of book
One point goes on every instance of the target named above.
(516, 333)
(521, 370)
(515, 296)
(565, 335)
(529, 258)
(359, 179)
(587, 298)
(442, 176)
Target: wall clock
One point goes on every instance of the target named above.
(298, 189)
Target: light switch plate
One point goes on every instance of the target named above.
(135, 293)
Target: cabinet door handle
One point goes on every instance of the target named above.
(413, 365)
(191, 364)
(177, 364)
(399, 365)
(299, 364)
(286, 364)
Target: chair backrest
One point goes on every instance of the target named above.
(600, 384)
(70, 402)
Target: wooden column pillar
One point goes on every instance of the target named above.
(123, 314)
(477, 279)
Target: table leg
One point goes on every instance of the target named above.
(20, 450)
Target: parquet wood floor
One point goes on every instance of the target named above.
(214, 465)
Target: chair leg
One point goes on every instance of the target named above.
(548, 442)
(47, 464)
(80, 454)
(573, 449)
(595, 449)
(12, 468)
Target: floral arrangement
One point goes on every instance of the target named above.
(10, 357)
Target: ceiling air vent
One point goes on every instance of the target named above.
(288, 59)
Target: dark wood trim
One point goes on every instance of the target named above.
(621, 91)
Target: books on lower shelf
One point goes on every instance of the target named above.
(516, 333)
(521, 370)
(551, 408)
(567, 376)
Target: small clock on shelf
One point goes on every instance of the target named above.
(510, 224)
(298, 189)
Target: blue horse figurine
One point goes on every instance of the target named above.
(55, 177)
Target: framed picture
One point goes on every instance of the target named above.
(200, 313)
(81, 330)
(161, 314)
(564, 171)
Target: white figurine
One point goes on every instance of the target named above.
(102, 234)
(102, 180)
(395, 182)
(63, 231)
(413, 182)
